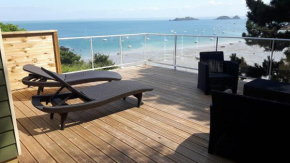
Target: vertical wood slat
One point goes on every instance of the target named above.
(56, 52)
(40, 48)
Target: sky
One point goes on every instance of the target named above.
(25, 10)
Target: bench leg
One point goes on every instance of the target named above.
(139, 97)
(51, 115)
(40, 89)
(63, 118)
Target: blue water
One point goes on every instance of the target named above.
(111, 45)
(93, 28)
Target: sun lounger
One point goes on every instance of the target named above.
(39, 78)
(92, 96)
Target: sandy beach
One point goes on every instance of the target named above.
(188, 56)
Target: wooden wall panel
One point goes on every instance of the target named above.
(39, 48)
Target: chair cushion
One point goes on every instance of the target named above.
(215, 66)
(228, 91)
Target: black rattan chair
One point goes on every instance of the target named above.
(93, 96)
(41, 79)
(248, 129)
(216, 74)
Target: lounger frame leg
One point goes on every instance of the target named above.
(40, 89)
(139, 97)
(51, 115)
(62, 121)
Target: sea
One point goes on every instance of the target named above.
(137, 44)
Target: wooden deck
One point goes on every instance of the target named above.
(171, 126)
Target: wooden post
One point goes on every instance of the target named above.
(56, 52)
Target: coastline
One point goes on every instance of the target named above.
(189, 56)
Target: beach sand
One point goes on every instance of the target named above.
(188, 56)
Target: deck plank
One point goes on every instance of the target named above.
(73, 152)
(80, 142)
(172, 125)
(85, 132)
(164, 150)
(26, 156)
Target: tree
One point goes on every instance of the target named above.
(73, 62)
(10, 28)
(101, 60)
(241, 61)
(69, 57)
(265, 20)
(255, 71)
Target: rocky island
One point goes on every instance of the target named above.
(227, 17)
(183, 19)
(236, 17)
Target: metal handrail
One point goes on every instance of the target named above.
(174, 64)
(178, 35)
(103, 36)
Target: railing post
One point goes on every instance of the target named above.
(217, 44)
(121, 52)
(92, 53)
(271, 60)
(144, 49)
(175, 52)
(182, 47)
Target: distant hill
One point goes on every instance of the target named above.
(227, 17)
(183, 19)
(236, 17)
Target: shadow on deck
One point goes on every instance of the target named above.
(172, 125)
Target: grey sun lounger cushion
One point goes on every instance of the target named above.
(93, 96)
(39, 78)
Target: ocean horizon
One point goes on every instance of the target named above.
(135, 44)
(111, 27)
(112, 19)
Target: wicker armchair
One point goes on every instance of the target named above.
(216, 74)
(248, 129)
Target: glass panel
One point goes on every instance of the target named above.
(75, 55)
(106, 51)
(160, 49)
(188, 49)
(133, 49)
(281, 61)
(252, 55)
